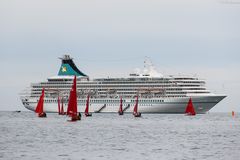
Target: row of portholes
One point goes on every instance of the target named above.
(82, 104)
(104, 101)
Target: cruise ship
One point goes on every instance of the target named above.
(157, 93)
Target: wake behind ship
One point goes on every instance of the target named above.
(157, 93)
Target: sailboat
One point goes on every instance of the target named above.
(233, 113)
(62, 109)
(135, 110)
(39, 108)
(120, 111)
(59, 111)
(87, 114)
(190, 108)
(72, 104)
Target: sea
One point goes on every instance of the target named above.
(212, 136)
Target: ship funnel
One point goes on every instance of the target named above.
(68, 68)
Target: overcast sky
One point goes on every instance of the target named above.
(112, 37)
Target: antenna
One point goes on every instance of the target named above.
(66, 57)
(149, 68)
(147, 62)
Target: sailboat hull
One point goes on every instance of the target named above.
(120, 113)
(42, 115)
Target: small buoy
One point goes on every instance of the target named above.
(233, 114)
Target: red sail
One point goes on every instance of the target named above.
(72, 104)
(87, 105)
(135, 110)
(59, 111)
(190, 109)
(120, 108)
(39, 108)
(62, 109)
(70, 101)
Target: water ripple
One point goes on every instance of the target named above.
(109, 136)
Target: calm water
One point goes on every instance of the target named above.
(109, 136)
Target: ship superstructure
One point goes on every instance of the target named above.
(157, 93)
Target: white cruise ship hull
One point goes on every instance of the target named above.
(202, 104)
